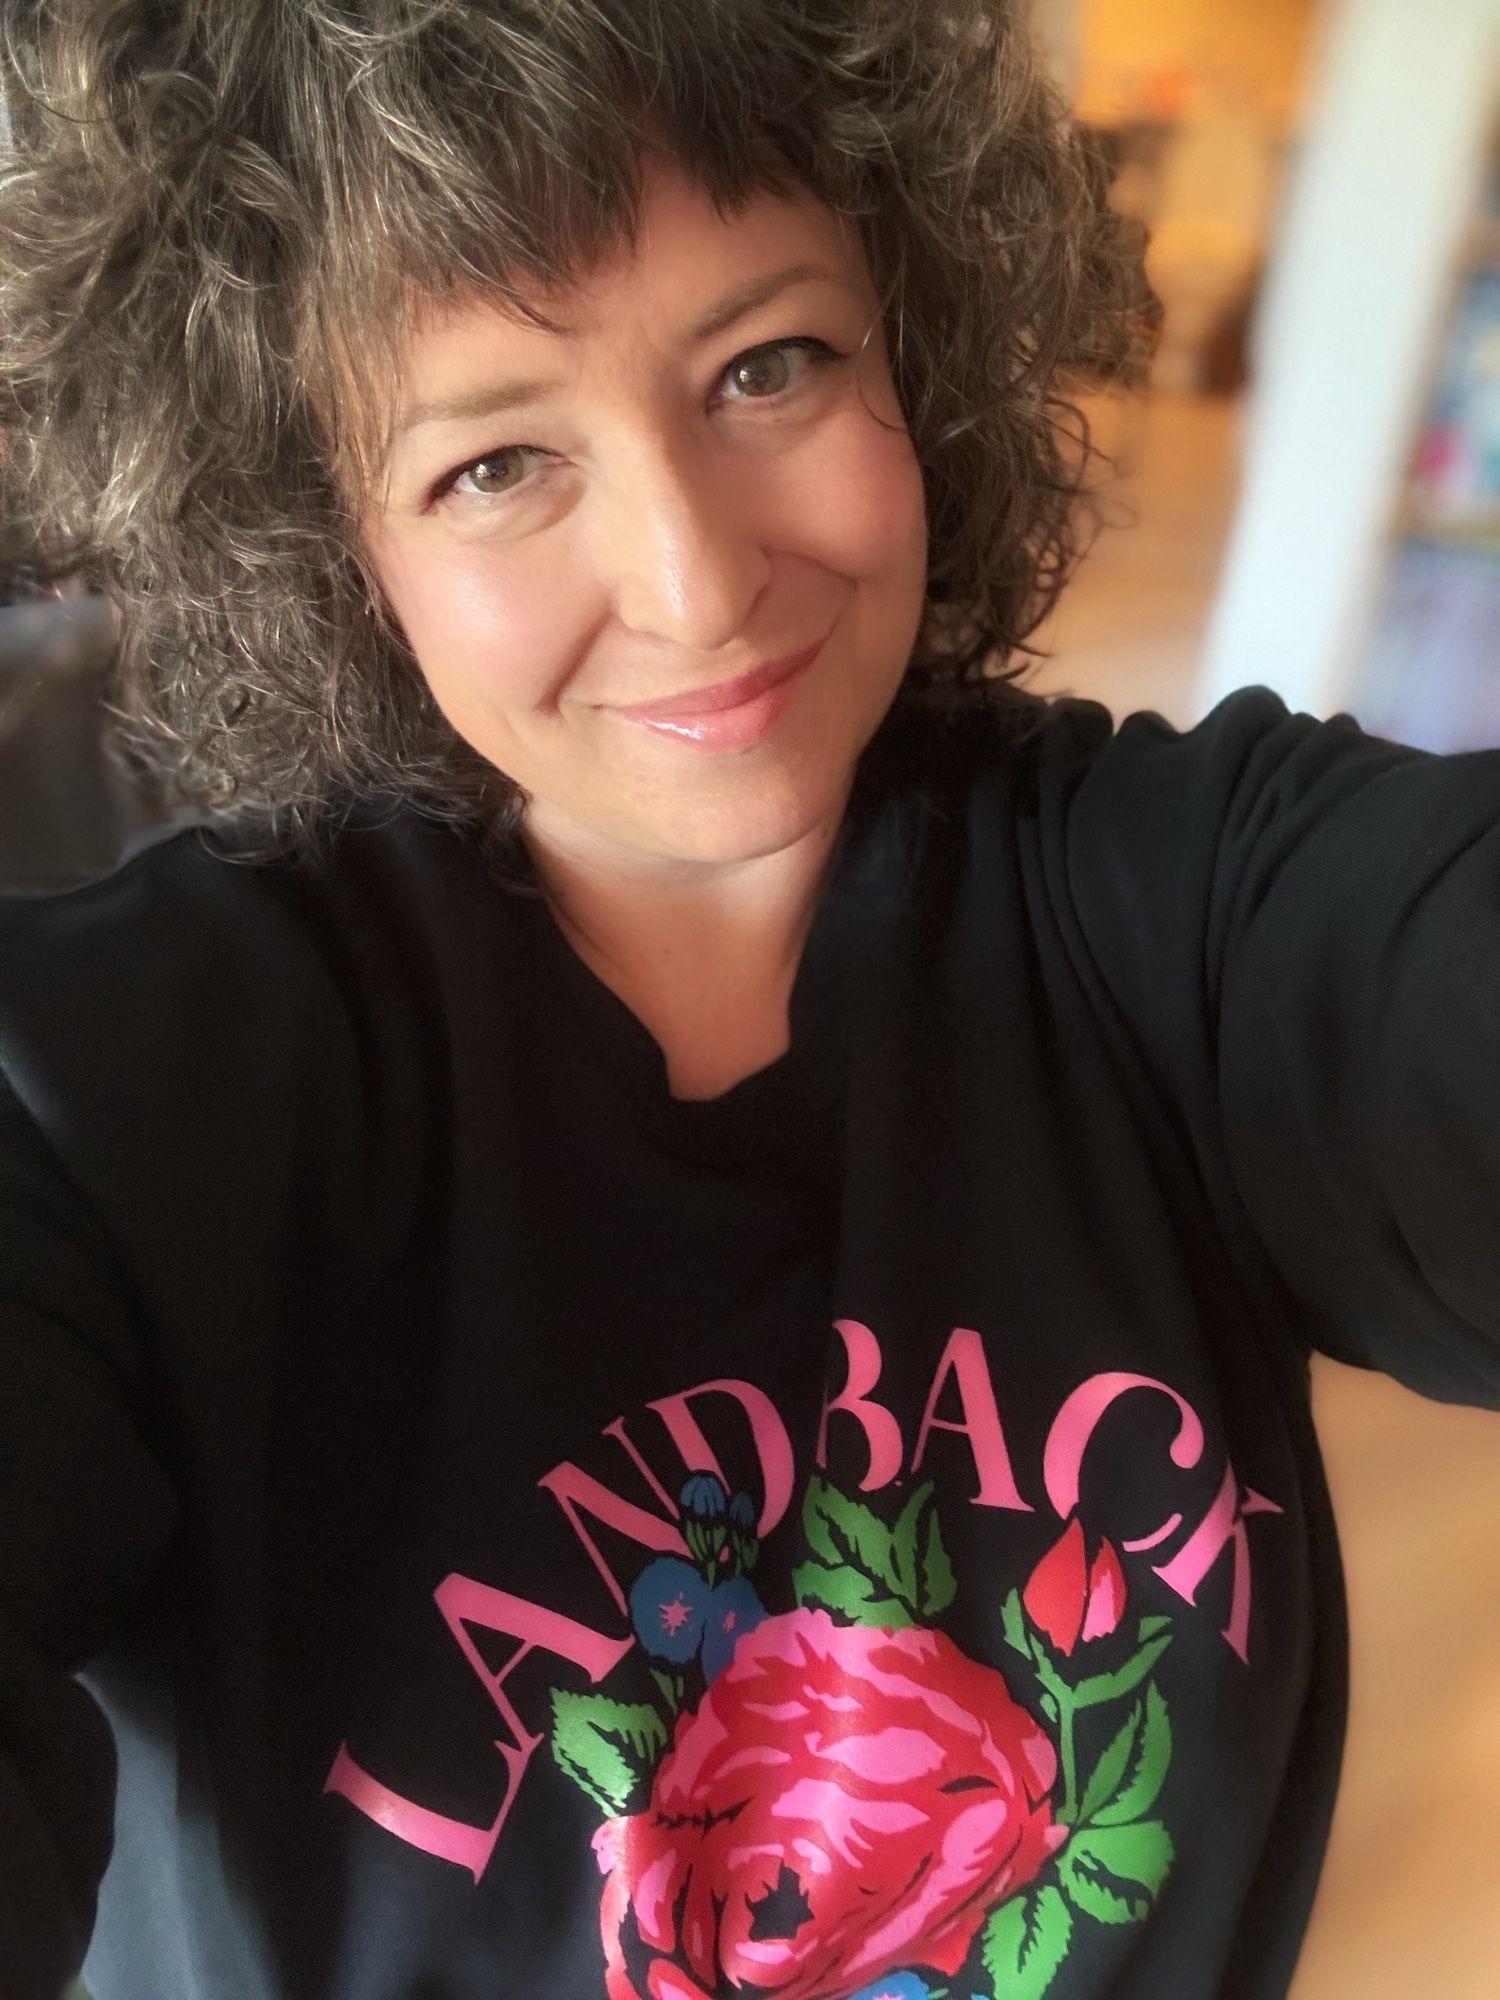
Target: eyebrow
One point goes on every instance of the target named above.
(490, 399)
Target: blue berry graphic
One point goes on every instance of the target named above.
(733, 1609)
(668, 1601)
(705, 1507)
(703, 1497)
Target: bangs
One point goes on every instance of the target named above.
(501, 152)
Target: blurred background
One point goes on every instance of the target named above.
(1316, 474)
(1309, 498)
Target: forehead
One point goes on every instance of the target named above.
(686, 273)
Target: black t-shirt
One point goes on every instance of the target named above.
(863, 1535)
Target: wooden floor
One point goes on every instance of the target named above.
(1409, 1906)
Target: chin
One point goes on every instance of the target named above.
(769, 820)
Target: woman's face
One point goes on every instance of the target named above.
(585, 535)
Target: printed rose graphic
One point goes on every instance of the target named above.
(836, 1803)
(846, 1801)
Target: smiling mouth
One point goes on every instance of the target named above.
(724, 694)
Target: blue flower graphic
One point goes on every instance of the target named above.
(667, 1605)
(733, 1609)
(895, 1986)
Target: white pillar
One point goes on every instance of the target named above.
(1374, 228)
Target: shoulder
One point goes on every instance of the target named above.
(1062, 741)
(1004, 726)
(188, 906)
(1249, 761)
(1006, 754)
(1154, 848)
(203, 984)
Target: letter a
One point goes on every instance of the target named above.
(963, 1359)
(464, 1602)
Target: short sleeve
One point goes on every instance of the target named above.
(1300, 924)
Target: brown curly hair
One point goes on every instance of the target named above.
(214, 217)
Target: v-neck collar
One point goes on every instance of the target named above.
(784, 1119)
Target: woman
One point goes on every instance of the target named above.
(657, 1310)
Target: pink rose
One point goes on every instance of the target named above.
(845, 1801)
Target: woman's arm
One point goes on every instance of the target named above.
(1300, 926)
(85, 1513)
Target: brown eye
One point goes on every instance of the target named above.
(764, 373)
(498, 471)
(780, 368)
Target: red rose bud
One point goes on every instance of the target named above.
(1106, 1604)
(1067, 1598)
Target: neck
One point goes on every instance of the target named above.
(704, 955)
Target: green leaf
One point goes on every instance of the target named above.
(1124, 1680)
(1149, 1627)
(1143, 1777)
(923, 1576)
(841, 1532)
(906, 1567)
(609, 1748)
(936, 1586)
(1013, 1624)
(849, 1592)
(905, 1564)
(671, 1686)
(1024, 1942)
(1112, 1873)
(1104, 1781)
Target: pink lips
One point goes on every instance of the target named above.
(727, 695)
(731, 714)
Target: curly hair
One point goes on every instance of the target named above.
(215, 216)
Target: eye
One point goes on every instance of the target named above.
(759, 375)
(499, 471)
(769, 371)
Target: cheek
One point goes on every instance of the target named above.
(862, 506)
(486, 625)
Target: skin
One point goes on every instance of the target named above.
(655, 515)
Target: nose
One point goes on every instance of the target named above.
(680, 550)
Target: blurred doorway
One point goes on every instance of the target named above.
(1201, 111)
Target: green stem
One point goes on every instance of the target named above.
(1069, 1764)
(1067, 1707)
